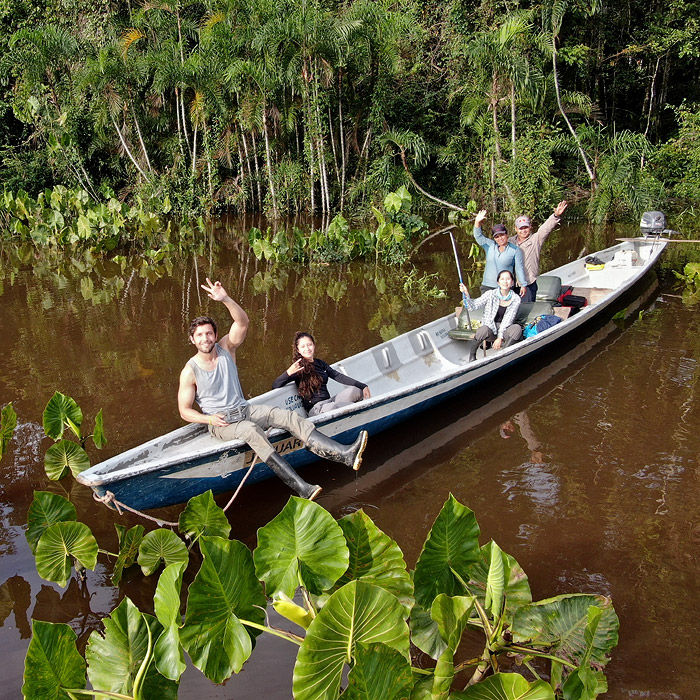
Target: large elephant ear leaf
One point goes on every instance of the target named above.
(425, 633)
(161, 545)
(585, 683)
(98, 434)
(202, 517)
(65, 455)
(449, 551)
(302, 545)
(45, 510)
(559, 625)
(451, 614)
(59, 545)
(117, 658)
(516, 588)
(224, 593)
(53, 663)
(506, 686)
(129, 543)
(375, 558)
(62, 411)
(170, 659)
(357, 613)
(8, 423)
(379, 673)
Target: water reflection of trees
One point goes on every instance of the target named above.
(16, 597)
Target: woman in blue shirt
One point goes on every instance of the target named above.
(500, 254)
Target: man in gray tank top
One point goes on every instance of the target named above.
(211, 379)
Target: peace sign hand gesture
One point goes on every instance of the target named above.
(215, 290)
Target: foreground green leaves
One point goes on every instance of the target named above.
(63, 456)
(120, 659)
(225, 591)
(59, 545)
(60, 413)
(302, 545)
(355, 606)
(8, 423)
(53, 663)
(203, 517)
(161, 546)
(357, 613)
(507, 686)
(45, 510)
(450, 550)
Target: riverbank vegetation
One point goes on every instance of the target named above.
(284, 106)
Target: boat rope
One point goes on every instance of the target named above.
(109, 500)
(240, 486)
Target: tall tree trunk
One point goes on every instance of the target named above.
(258, 179)
(243, 161)
(557, 90)
(268, 162)
(309, 147)
(512, 120)
(126, 148)
(333, 148)
(138, 131)
(651, 95)
(184, 120)
(194, 149)
(207, 155)
(497, 136)
(177, 118)
(341, 132)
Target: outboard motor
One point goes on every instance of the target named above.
(653, 223)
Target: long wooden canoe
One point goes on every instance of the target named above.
(406, 375)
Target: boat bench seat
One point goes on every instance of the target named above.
(527, 312)
(548, 288)
(530, 310)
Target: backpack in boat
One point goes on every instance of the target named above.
(540, 324)
(566, 298)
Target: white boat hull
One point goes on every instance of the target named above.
(406, 375)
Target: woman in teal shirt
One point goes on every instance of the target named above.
(500, 255)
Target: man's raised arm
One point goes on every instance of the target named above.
(239, 327)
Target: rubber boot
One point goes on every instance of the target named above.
(472, 347)
(280, 466)
(349, 455)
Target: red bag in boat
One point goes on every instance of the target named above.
(566, 298)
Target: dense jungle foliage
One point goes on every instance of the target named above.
(284, 106)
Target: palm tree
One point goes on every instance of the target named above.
(46, 59)
(502, 72)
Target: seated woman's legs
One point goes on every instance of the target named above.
(483, 333)
(344, 398)
(512, 334)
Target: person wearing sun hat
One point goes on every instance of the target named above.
(531, 246)
(500, 254)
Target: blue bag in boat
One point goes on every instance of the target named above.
(546, 321)
(541, 323)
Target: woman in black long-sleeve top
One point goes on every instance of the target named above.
(311, 376)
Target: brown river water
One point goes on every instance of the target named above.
(584, 469)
